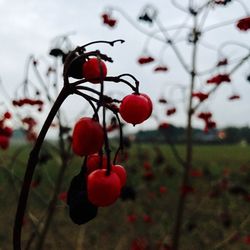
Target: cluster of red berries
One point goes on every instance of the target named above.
(233, 97)
(160, 68)
(170, 111)
(5, 131)
(102, 182)
(145, 59)
(244, 24)
(30, 123)
(222, 2)
(218, 79)
(28, 101)
(108, 20)
(207, 118)
(149, 59)
(222, 62)
(200, 95)
(87, 140)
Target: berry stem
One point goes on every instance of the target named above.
(30, 168)
(120, 148)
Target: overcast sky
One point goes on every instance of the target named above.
(28, 26)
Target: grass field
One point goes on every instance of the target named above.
(216, 217)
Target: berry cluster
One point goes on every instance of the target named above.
(145, 59)
(200, 95)
(99, 182)
(108, 20)
(207, 118)
(244, 24)
(5, 131)
(28, 101)
(218, 79)
(30, 124)
(170, 111)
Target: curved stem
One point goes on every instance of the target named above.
(32, 162)
(179, 7)
(175, 49)
(120, 148)
(111, 43)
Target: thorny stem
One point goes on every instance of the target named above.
(32, 162)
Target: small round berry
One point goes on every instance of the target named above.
(7, 115)
(94, 70)
(88, 137)
(94, 162)
(136, 108)
(103, 190)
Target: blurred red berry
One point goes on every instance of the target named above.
(160, 69)
(63, 196)
(163, 190)
(145, 60)
(243, 24)
(147, 218)
(106, 18)
(222, 62)
(4, 142)
(196, 173)
(246, 239)
(233, 97)
(131, 218)
(170, 111)
(186, 189)
(7, 115)
(201, 96)
(218, 79)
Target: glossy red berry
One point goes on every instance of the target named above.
(94, 162)
(121, 172)
(103, 190)
(88, 137)
(94, 70)
(136, 108)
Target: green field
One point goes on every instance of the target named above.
(216, 217)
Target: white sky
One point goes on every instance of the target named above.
(28, 26)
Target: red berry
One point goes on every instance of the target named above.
(93, 162)
(63, 196)
(4, 142)
(163, 190)
(131, 218)
(87, 137)
(121, 172)
(136, 108)
(94, 70)
(7, 115)
(103, 190)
